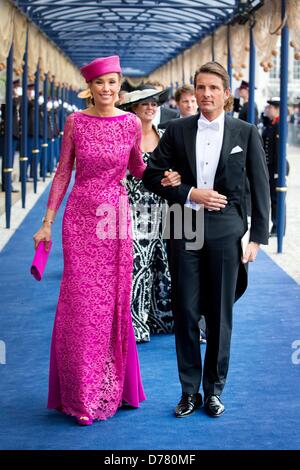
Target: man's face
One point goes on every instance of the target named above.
(272, 111)
(244, 93)
(30, 93)
(210, 94)
(187, 105)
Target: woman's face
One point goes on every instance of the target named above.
(146, 111)
(105, 89)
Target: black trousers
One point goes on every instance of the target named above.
(273, 182)
(204, 282)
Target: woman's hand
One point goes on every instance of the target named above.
(172, 178)
(43, 234)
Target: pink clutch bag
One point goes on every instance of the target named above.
(40, 260)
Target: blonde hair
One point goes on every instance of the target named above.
(217, 69)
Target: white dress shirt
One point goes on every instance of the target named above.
(209, 142)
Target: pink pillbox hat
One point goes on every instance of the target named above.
(101, 66)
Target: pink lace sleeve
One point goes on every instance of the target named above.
(136, 165)
(64, 170)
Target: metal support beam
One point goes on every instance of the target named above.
(51, 137)
(83, 48)
(281, 188)
(45, 130)
(36, 138)
(58, 22)
(123, 56)
(8, 144)
(77, 33)
(24, 126)
(144, 42)
(229, 60)
(117, 6)
(61, 116)
(251, 102)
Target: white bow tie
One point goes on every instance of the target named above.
(208, 125)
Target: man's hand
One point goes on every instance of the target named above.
(209, 198)
(251, 252)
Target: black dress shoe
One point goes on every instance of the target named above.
(214, 406)
(188, 404)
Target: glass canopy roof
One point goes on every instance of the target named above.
(144, 33)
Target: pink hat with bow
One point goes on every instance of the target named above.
(101, 66)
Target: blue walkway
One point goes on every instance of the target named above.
(261, 397)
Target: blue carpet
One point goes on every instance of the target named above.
(261, 396)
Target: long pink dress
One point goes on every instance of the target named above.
(94, 364)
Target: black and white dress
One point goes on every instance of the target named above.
(150, 300)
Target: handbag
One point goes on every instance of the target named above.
(40, 260)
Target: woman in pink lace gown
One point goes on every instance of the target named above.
(94, 365)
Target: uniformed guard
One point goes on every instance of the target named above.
(270, 137)
(56, 131)
(50, 153)
(16, 128)
(30, 130)
(243, 91)
(41, 133)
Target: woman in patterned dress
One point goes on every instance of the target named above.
(150, 301)
(94, 365)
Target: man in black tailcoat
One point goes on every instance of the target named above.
(214, 154)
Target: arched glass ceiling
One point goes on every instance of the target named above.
(145, 33)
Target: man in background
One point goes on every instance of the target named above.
(244, 95)
(186, 101)
(270, 137)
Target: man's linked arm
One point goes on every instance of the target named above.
(164, 159)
